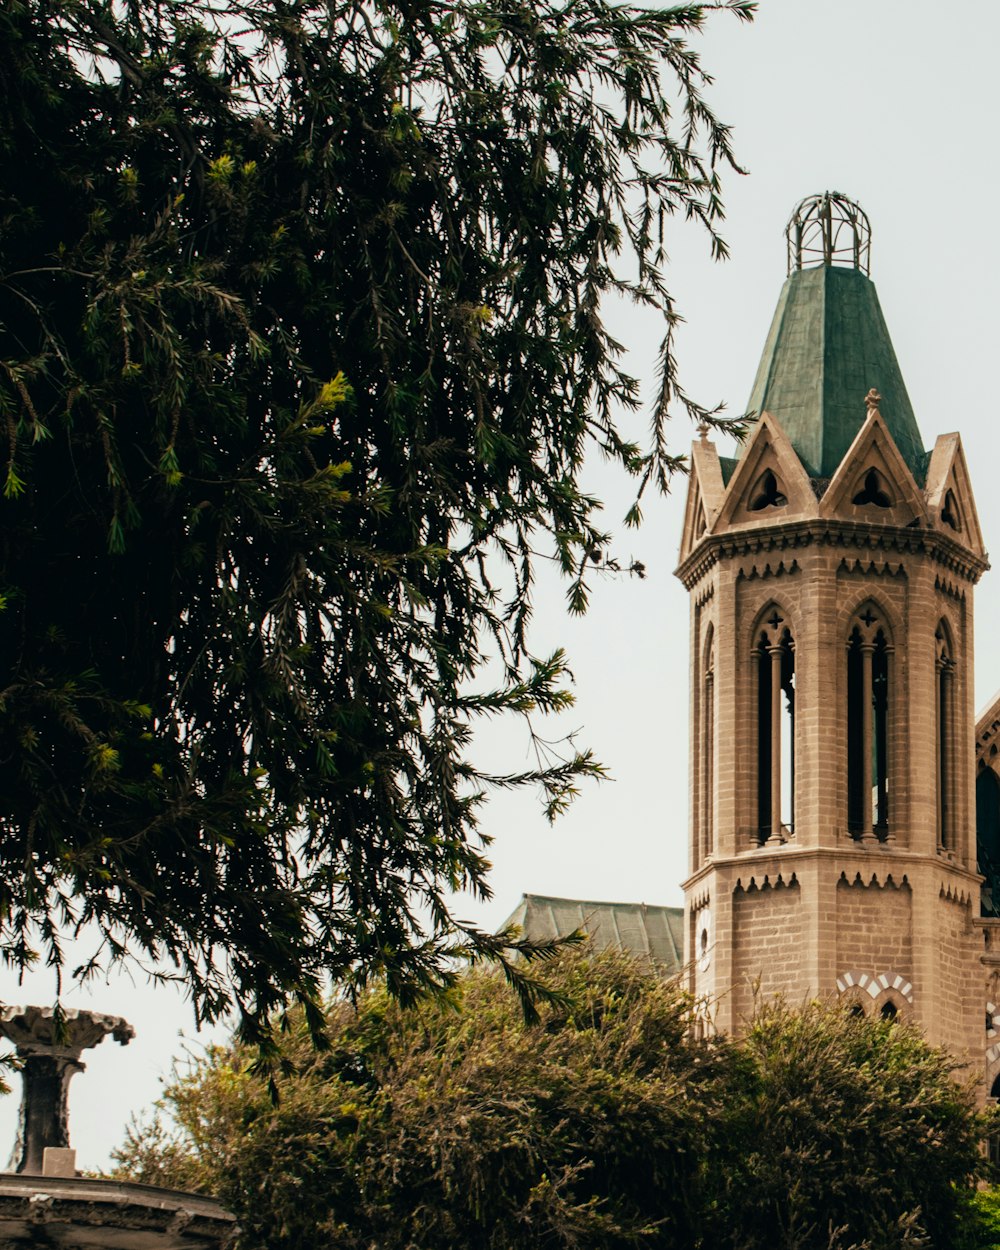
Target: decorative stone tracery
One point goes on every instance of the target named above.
(874, 990)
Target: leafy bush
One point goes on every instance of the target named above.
(850, 1132)
(982, 1220)
(610, 1123)
(458, 1124)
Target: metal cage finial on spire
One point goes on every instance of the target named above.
(828, 229)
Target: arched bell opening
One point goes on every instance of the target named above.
(774, 657)
(945, 674)
(706, 695)
(869, 653)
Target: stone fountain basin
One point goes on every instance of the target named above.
(107, 1215)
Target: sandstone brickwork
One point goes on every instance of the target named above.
(767, 938)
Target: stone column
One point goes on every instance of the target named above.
(49, 1044)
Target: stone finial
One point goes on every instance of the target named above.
(49, 1043)
(872, 401)
(703, 431)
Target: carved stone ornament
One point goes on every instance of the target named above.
(49, 1043)
(44, 1202)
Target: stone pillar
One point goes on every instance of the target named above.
(49, 1044)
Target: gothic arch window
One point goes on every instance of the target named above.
(944, 674)
(988, 839)
(874, 491)
(774, 661)
(950, 513)
(767, 493)
(707, 695)
(891, 1004)
(869, 653)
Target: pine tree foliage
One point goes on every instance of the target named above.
(301, 353)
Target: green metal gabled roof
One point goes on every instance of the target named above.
(827, 347)
(639, 928)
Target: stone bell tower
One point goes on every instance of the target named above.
(831, 570)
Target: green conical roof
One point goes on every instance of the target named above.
(827, 347)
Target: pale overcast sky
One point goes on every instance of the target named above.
(896, 107)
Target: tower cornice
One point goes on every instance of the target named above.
(829, 532)
(849, 859)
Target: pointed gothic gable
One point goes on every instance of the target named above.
(873, 482)
(950, 501)
(695, 517)
(769, 485)
(704, 497)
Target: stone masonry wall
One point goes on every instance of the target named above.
(767, 955)
(874, 929)
(959, 1007)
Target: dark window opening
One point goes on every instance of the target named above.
(855, 1009)
(708, 751)
(763, 741)
(880, 738)
(868, 734)
(775, 734)
(950, 514)
(873, 492)
(945, 683)
(993, 1140)
(767, 494)
(889, 1011)
(988, 841)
